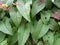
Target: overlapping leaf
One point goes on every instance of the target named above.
(45, 16)
(40, 30)
(15, 17)
(49, 38)
(2, 36)
(18, 19)
(23, 34)
(13, 39)
(5, 27)
(53, 25)
(4, 42)
(57, 2)
(37, 7)
(57, 38)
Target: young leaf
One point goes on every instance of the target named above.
(23, 34)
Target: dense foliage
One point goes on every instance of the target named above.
(29, 22)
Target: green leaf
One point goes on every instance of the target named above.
(4, 42)
(57, 41)
(5, 27)
(45, 16)
(2, 14)
(49, 38)
(53, 25)
(36, 7)
(23, 34)
(40, 30)
(2, 36)
(40, 43)
(31, 27)
(43, 30)
(57, 38)
(13, 39)
(57, 2)
(24, 9)
(37, 29)
(15, 17)
(48, 4)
